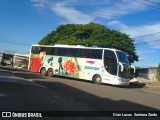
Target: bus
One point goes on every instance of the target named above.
(100, 65)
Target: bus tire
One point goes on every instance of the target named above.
(50, 72)
(43, 71)
(97, 79)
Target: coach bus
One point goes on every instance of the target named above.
(100, 65)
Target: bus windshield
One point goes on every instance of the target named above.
(122, 57)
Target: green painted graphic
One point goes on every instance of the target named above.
(91, 68)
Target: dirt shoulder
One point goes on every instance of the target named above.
(152, 88)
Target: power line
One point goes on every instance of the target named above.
(156, 8)
(153, 1)
(147, 42)
(109, 14)
(14, 43)
(146, 35)
(147, 5)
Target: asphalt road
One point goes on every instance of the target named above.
(61, 94)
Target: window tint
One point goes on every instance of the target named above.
(96, 54)
(110, 62)
(42, 49)
(60, 51)
(49, 51)
(35, 50)
(73, 52)
(55, 51)
(109, 54)
(84, 53)
(63, 51)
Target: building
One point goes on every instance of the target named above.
(20, 60)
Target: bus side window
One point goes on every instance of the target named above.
(42, 49)
(35, 50)
(55, 51)
(64, 51)
(73, 52)
(96, 54)
(60, 51)
(84, 53)
(110, 55)
(49, 51)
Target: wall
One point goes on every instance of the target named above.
(146, 75)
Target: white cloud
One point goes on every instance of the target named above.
(135, 31)
(39, 3)
(63, 10)
(141, 59)
(119, 8)
(117, 24)
(71, 15)
(105, 9)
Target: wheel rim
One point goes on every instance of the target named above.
(43, 71)
(50, 72)
(98, 79)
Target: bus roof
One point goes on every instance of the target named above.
(75, 46)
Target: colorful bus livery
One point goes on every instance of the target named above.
(100, 65)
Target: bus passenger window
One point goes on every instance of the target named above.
(56, 51)
(96, 54)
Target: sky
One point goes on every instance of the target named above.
(25, 22)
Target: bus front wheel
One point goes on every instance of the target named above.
(43, 72)
(97, 79)
(50, 72)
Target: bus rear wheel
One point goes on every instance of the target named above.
(97, 79)
(43, 72)
(50, 72)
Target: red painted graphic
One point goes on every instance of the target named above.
(36, 62)
(90, 62)
(70, 67)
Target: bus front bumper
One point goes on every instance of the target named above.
(123, 82)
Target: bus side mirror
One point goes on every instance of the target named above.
(133, 68)
(121, 66)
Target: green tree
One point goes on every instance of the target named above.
(89, 35)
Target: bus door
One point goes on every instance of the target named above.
(110, 62)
